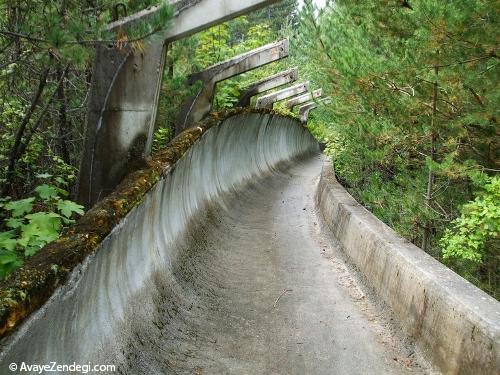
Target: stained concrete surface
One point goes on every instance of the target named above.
(222, 269)
(269, 294)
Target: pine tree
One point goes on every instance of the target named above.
(277, 16)
(414, 116)
(46, 49)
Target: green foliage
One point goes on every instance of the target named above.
(68, 208)
(380, 62)
(278, 17)
(20, 207)
(44, 38)
(161, 138)
(225, 41)
(471, 244)
(9, 260)
(210, 47)
(46, 192)
(46, 52)
(33, 222)
(67, 28)
(479, 222)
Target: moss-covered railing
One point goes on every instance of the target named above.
(29, 287)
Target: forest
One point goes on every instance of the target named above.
(412, 126)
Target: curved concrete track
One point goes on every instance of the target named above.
(266, 293)
(222, 269)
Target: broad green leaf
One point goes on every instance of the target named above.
(43, 228)
(25, 238)
(21, 207)
(67, 208)
(45, 221)
(8, 257)
(14, 223)
(7, 240)
(9, 261)
(46, 192)
(34, 247)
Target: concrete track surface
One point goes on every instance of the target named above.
(223, 269)
(269, 294)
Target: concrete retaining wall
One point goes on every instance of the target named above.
(455, 324)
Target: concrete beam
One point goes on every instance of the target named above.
(192, 16)
(266, 84)
(307, 108)
(124, 93)
(267, 101)
(304, 98)
(200, 105)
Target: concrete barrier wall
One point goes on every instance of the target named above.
(115, 293)
(455, 324)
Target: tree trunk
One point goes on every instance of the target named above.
(63, 122)
(24, 145)
(169, 61)
(431, 177)
(14, 151)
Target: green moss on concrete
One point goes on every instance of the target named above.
(32, 285)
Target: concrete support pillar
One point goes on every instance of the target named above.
(124, 93)
(200, 105)
(305, 109)
(267, 101)
(266, 84)
(303, 98)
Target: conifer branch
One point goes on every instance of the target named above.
(463, 62)
(81, 42)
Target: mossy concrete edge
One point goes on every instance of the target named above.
(30, 286)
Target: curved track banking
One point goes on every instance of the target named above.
(222, 269)
(264, 293)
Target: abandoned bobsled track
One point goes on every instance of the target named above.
(214, 260)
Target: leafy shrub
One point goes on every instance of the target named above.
(161, 138)
(471, 245)
(33, 222)
(479, 222)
